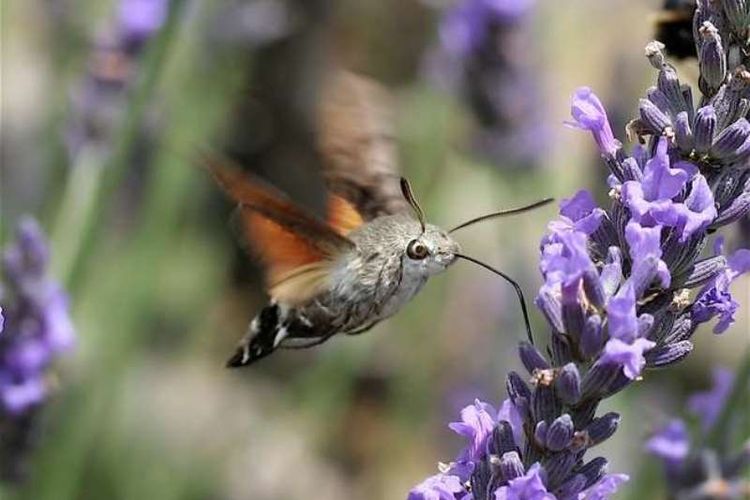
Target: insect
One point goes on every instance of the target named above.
(371, 255)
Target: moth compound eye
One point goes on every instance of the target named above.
(416, 250)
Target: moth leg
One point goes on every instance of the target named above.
(362, 330)
(304, 345)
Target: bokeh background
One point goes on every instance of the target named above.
(104, 105)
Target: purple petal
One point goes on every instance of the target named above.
(671, 443)
(622, 320)
(628, 356)
(660, 182)
(437, 487)
(604, 488)
(645, 246)
(527, 487)
(477, 422)
(707, 405)
(589, 114)
(715, 299)
(16, 398)
(510, 414)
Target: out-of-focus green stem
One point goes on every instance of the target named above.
(76, 204)
(113, 169)
(735, 404)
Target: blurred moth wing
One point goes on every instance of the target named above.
(297, 250)
(357, 145)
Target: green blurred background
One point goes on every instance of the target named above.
(161, 291)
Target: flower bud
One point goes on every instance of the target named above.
(713, 61)
(531, 358)
(728, 142)
(667, 354)
(560, 433)
(568, 384)
(592, 338)
(544, 404)
(703, 131)
(593, 470)
(683, 133)
(736, 12)
(703, 271)
(501, 441)
(511, 466)
(602, 428)
(737, 209)
(559, 467)
(669, 84)
(654, 53)
(651, 116)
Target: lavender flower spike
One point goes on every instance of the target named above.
(617, 290)
(37, 329)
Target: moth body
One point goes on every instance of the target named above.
(366, 284)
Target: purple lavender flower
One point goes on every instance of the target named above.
(483, 56)
(37, 329)
(477, 422)
(438, 487)
(617, 283)
(715, 299)
(139, 20)
(530, 486)
(629, 356)
(605, 487)
(671, 443)
(589, 114)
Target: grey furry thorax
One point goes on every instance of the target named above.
(374, 280)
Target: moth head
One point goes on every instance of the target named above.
(432, 249)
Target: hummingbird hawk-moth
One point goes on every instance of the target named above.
(372, 253)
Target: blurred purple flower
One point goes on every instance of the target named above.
(707, 405)
(139, 20)
(605, 487)
(38, 324)
(36, 330)
(701, 467)
(466, 26)
(484, 57)
(671, 443)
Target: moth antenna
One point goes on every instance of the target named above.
(511, 211)
(510, 280)
(409, 196)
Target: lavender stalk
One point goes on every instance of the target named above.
(625, 287)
